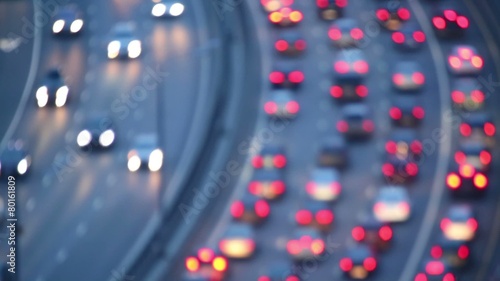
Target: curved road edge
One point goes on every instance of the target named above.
(222, 102)
(432, 209)
(197, 131)
(35, 60)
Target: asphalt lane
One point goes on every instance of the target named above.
(15, 56)
(485, 208)
(316, 120)
(360, 181)
(79, 210)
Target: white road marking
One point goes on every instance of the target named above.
(81, 229)
(61, 256)
(35, 60)
(444, 152)
(30, 204)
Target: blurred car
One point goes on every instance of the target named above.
(464, 60)
(206, 263)
(392, 16)
(409, 37)
(448, 22)
(349, 90)
(467, 180)
(166, 8)
(282, 104)
(279, 271)
(392, 204)
(345, 33)
(399, 168)
(350, 64)
(459, 223)
(466, 94)
(455, 253)
(306, 243)
(474, 153)
(250, 209)
(290, 42)
(270, 157)
(14, 160)
(124, 42)
(478, 126)
(406, 112)
(315, 214)
(267, 184)
(53, 90)
(435, 270)
(286, 16)
(97, 131)
(68, 20)
(238, 241)
(359, 262)
(333, 153)
(324, 184)
(356, 121)
(404, 143)
(274, 5)
(145, 152)
(286, 75)
(375, 234)
(331, 9)
(408, 76)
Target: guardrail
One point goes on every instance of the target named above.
(224, 73)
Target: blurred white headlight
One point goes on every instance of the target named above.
(42, 96)
(58, 26)
(113, 49)
(159, 10)
(22, 166)
(83, 138)
(155, 160)
(134, 163)
(76, 26)
(134, 49)
(106, 138)
(176, 9)
(61, 96)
